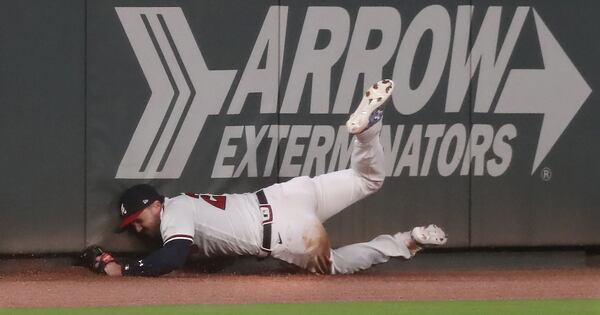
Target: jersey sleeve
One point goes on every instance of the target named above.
(177, 222)
(170, 257)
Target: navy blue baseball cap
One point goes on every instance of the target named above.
(134, 200)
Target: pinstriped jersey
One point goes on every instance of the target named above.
(228, 224)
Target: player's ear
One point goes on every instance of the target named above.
(156, 206)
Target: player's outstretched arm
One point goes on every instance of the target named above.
(170, 257)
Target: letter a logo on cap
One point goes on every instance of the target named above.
(123, 211)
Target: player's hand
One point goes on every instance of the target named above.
(113, 269)
(95, 258)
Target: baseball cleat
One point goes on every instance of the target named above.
(429, 235)
(370, 108)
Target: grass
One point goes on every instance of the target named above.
(513, 307)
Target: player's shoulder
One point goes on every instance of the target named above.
(178, 203)
(181, 198)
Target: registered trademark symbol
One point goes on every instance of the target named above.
(546, 174)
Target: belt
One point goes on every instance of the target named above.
(267, 215)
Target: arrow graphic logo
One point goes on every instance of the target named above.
(558, 91)
(184, 91)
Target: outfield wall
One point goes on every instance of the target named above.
(491, 132)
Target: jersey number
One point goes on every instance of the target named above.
(215, 200)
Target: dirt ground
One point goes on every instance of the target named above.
(77, 287)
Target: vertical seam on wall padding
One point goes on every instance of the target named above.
(470, 213)
(279, 71)
(85, 125)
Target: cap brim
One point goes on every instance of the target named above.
(128, 220)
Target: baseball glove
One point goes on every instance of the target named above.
(95, 258)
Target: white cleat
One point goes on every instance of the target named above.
(429, 235)
(370, 108)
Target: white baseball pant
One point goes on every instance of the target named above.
(301, 205)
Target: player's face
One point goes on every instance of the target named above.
(148, 222)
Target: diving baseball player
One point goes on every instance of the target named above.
(284, 220)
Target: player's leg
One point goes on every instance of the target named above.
(338, 190)
(301, 204)
(355, 257)
(360, 256)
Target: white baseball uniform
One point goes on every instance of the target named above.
(231, 224)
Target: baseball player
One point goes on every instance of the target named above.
(284, 220)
